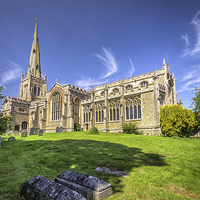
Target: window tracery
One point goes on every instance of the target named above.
(56, 106)
(133, 108)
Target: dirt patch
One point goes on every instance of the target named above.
(182, 191)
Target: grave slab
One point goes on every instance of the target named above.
(90, 187)
(42, 188)
(24, 134)
(11, 139)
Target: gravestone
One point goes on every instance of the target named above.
(11, 139)
(36, 131)
(11, 132)
(40, 133)
(57, 129)
(40, 187)
(24, 134)
(61, 129)
(32, 131)
(90, 187)
(16, 133)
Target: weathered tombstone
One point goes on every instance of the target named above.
(36, 131)
(61, 129)
(32, 131)
(11, 139)
(57, 129)
(90, 187)
(7, 132)
(11, 132)
(24, 134)
(16, 133)
(40, 133)
(40, 187)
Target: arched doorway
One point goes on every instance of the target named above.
(16, 128)
(76, 111)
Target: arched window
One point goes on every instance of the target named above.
(86, 117)
(35, 90)
(110, 114)
(24, 125)
(56, 110)
(131, 112)
(135, 112)
(114, 114)
(99, 116)
(139, 111)
(127, 112)
(38, 91)
(96, 116)
(117, 113)
(144, 84)
(129, 87)
(115, 90)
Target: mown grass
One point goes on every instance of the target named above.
(158, 167)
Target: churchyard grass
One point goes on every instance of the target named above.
(157, 167)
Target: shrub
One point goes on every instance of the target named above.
(93, 131)
(176, 121)
(77, 127)
(130, 128)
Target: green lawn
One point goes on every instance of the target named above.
(158, 167)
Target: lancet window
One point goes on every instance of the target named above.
(99, 112)
(56, 106)
(86, 115)
(133, 108)
(114, 110)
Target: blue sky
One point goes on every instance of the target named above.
(89, 42)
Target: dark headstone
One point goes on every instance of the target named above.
(32, 131)
(40, 133)
(16, 133)
(61, 129)
(57, 129)
(11, 139)
(36, 131)
(41, 188)
(90, 187)
(24, 134)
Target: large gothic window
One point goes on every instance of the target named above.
(133, 108)
(56, 110)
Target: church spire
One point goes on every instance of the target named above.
(34, 62)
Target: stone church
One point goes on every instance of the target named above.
(107, 107)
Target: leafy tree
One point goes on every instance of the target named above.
(196, 107)
(5, 122)
(1, 97)
(176, 121)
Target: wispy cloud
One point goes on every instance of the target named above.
(132, 68)
(108, 59)
(186, 39)
(195, 49)
(12, 71)
(87, 83)
(190, 80)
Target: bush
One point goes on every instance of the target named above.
(5, 123)
(130, 128)
(176, 121)
(77, 127)
(93, 131)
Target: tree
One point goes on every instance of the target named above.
(196, 102)
(176, 121)
(5, 122)
(1, 97)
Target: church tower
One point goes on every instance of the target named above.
(33, 85)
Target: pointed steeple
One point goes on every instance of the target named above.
(34, 62)
(164, 64)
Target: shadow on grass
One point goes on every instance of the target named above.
(50, 158)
